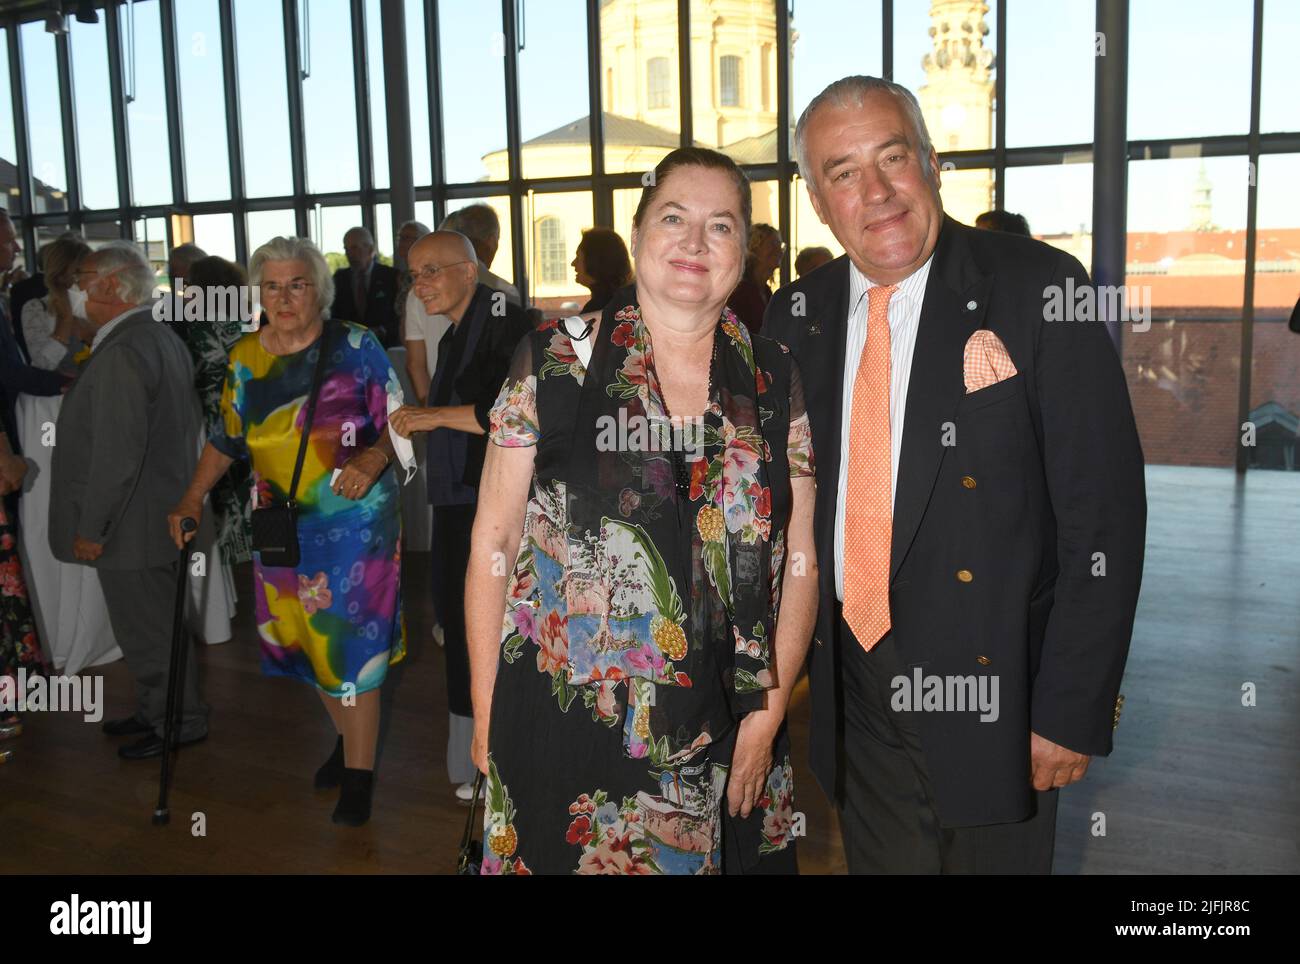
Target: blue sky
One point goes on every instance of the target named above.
(1189, 75)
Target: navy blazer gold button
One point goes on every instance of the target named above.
(964, 575)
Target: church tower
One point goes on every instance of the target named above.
(1202, 203)
(957, 99)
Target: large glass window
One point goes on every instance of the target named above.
(8, 146)
(203, 100)
(502, 261)
(1275, 361)
(1189, 68)
(263, 104)
(96, 143)
(966, 193)
(471, 48)
(215, 234)
(378, 101)
(1055, 40)
(1280, 68)
(265, 225)
(822, 51)
(643, 122)
(726, 70)
(553, 92)
(328, 225)
(1056, 200)
(557, 222)
(1186, 260)
(146, 109)
(945, 55)
(329, 101)
(44, 123)
(417, 75)
(806, 229)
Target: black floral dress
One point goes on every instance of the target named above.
(19, 647)
(638, 623)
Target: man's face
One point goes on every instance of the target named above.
(102, 302)
(444, 277)
(8, 244)
(877, 194)
(360, 252)
(405, 238)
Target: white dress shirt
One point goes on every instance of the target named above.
(904, 319)
(107, 329)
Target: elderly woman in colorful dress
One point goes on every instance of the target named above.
(334, 620)
(644, 517)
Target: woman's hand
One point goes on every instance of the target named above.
(478, 750)
(13, 468)
(187, 507)
(750, 763)
(409, 419)
(359, 473)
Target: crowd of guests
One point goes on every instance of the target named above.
(623, 626)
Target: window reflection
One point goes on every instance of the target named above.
(1056, 200)
(639, 56)
(729, 56)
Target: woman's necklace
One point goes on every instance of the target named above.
(681, 474)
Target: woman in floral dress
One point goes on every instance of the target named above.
(19, 647)
(630, 707)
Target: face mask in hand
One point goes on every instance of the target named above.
(77, 299)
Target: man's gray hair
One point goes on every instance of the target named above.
(478, 222)
(126, 262)
(361, 230)
(184, 255)
(853, 91)
(419, 226)
(296, 249)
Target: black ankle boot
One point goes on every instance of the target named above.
(330, 773)
(354, 801)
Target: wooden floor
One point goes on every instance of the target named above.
(1197, 782)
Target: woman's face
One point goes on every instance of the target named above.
(579, 264)
(288, 295)
(690, 247)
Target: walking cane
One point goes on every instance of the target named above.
(175, 676)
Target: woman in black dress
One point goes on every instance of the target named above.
(629, 710)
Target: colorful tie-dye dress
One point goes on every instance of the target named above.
(336, 619)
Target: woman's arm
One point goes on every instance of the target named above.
(794, 627)
(42, 332)
(212, 466)
(417, 357)
(494, 545)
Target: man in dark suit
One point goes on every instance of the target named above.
(128, 437)
(980, 510)
(366, 291)
(473, 360)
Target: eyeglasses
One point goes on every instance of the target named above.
(430, 271)
(294, 289)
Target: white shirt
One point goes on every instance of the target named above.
(421, 326)
(108, 328)
(904, 319)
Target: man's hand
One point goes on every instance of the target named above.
(409, 419)
(87, 551)
(13, 468)
(1052, 765)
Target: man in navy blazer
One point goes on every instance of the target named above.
(1014, 551)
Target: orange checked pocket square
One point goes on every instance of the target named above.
(986, 361)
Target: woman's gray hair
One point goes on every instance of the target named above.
(127, 263)
(852, 91)
(297, 249)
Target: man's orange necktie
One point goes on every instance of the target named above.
(868, 504)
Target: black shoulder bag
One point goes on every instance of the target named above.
(275, 527)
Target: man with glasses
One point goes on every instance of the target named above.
(473, 358)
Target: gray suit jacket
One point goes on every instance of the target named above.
(125, 446)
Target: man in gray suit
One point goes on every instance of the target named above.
(126, 446)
